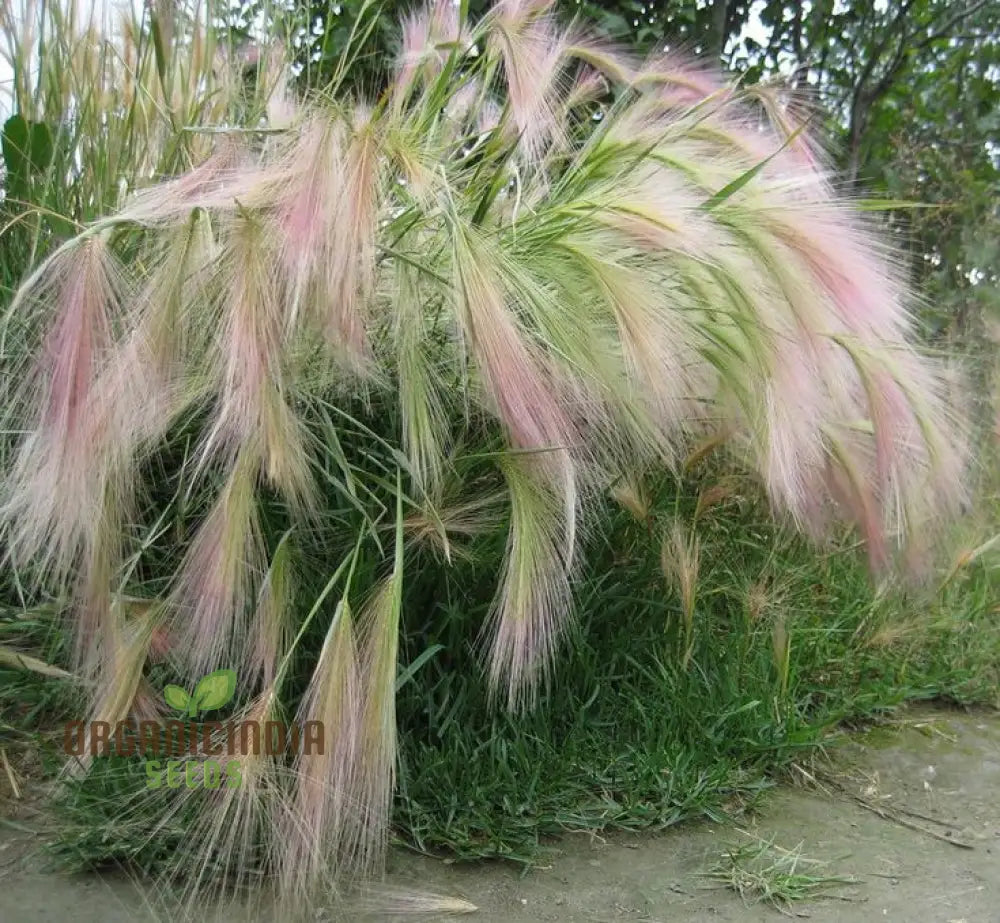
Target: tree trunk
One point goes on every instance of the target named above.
(720, 17)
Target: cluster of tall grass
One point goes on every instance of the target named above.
(344, 395)
(111, 97)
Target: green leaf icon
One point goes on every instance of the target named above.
(176, 697)
(214, 691)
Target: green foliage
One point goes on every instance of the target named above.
(27, 152)
(628, 737)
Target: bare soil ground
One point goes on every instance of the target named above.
(910, 815)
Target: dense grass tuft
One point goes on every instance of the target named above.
(627, 736)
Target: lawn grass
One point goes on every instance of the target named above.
(630, 738)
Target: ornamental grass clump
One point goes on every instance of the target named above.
(530, 270)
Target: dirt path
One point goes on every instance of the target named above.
(896, 803)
